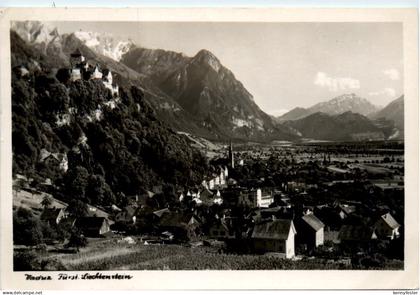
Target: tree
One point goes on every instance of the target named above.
(63, 75)
(26, 228)
(99, 192)
(77, 240)
(76, 181)
(46, 202)
(78, 208)
(18, 185)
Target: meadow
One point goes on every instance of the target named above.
(113, 254)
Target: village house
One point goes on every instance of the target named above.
(93, 226)
(207, 197)
(281, 199)
(53, 215)
(275, 236)
(182, 226)
(220, 230)
(345, 210)
(310, 231)
(265, 199)
(217, 198)
(387, 227)
(294, 186)
(217, 180)
(58, 160)
(127, 215)
(159, 213)
(21, 71)
(255, 198)
(278, 212)
(248, 198)
(181, 197)
(389, 186)
(356, 234)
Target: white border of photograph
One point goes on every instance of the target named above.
(313, 279)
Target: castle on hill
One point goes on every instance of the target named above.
(81, 69)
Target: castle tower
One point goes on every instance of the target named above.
(231, 156)
(77, 59)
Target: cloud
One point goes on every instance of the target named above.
(392, 74)
(335, 84)
(385, 92)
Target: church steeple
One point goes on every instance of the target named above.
(231, 156)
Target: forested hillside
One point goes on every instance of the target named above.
(113, 145)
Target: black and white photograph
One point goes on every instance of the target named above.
(199, 145)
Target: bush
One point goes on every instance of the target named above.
(42, 248)
(77, 240)
(25, 261)
(27, 229)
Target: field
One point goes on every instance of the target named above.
(114, 254)
(32, 201)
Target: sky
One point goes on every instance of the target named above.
(283, 65)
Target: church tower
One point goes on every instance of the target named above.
(231, 157)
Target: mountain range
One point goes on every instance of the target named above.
(192, 94)
(347, 126)
(338, 105)
(388, 120)
(197, 94)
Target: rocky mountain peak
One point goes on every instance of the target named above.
(35, 31)
(105, 44)
(344, 103)
(206, 57)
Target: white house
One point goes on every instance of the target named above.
(264, 200)
(275, 236)
(387, 227)
(311, 231)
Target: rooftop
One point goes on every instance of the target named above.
(277, 229)
(313, 221)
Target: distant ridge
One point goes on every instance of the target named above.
(347, 126)
(394, 112)
(338, 105)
